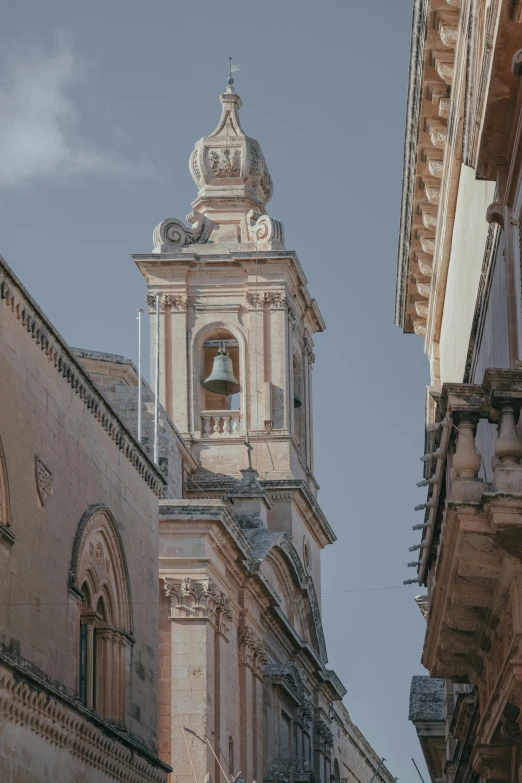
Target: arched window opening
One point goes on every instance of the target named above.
(298, 400)
(336, 772)
(4, 491)
(105, 620)
(220, 383)
(231, 761)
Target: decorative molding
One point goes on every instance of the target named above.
(252, 651)
(98, 516)
(171, 233)
(31, 318)
(427, 134)
(266, 231)
(289, 678)
(323, 737)
(197, 598)
(27, 699)
(277, 300)
(44, 480)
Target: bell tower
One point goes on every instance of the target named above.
(236, 321)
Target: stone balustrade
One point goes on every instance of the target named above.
(220, 424)
(471, 546)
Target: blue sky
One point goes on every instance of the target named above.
(100, 106)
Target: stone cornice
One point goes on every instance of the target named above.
(32, 319)
(309, 505)
(252, 554)
(147, 262)
(46, 709)
(430, 126)
(420, 9)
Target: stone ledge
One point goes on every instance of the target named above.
(32, 699)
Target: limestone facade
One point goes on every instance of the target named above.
(79, 548)
(165, 615)
(459, 286)
(244, 683)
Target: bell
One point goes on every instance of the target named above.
(221, 380)
(297, 401)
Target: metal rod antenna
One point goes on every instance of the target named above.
(188, 751)
(218, 761)
(140, 310)
(416, 767)
(378, 769)
(156, 384)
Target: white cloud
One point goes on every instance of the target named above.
(39, 124)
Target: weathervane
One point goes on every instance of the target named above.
(231, 69)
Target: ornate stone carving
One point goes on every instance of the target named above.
(102, 748)
(172, 233)
(150, 301)
(424, 289)
(444, 107)
(323, 737)
(430, 220)
(44, 481)
(277, 300)
(448, 35)
(310, 355)
(438, 136)
(435, 167)
(419, 327)
(228, 159)
(194, 598)
(421, 309)
(426, 267)
(225, 162)
(194, 166)
(432, 194)
(252, 651)
(445, 71)
(266, 231)
(428, 245)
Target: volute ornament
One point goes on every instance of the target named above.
(171, 233)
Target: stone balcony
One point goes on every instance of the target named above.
(219, 424)
(471, 547)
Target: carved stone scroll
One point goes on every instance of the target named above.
(172, 233)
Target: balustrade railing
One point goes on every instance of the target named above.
(453, 463)
(220, 424)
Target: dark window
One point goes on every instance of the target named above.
(83, 663)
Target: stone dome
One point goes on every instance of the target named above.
(228, 166)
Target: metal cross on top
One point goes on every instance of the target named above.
(250, 448)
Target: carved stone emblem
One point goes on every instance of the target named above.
(44, 481)
(225, 164)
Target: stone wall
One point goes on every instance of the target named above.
(67, 459)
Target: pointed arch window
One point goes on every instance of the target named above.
(105, 618)
(6, 534)
(298, 384)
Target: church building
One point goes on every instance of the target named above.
(205, 507)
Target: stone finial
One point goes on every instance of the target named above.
(228, 164)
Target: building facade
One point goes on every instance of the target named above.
(78, 573)
(459, 287)
(160, 619)
(245, 686)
